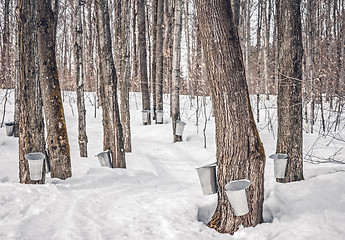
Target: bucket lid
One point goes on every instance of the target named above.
(278, 156)
(237, 185)
(106, 151)
(145, 111)
(9, 123)
(208, 165)
(159, 111)
(35, 156)
(181, 122)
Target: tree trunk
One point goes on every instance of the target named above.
(5, 77)
(159, 55)
(258, 48)
(82, 137)
(57, 139)
(240, 153)
(167, 46)
(235, 4)
(112, 129)
(17, 90)
(154, 59)
(143, 58)
(247, 40)
(266, 24)
(176, 72)
(31, 132)
(125, 75)
(290, 53)
(310, 60)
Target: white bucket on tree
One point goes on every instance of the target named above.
(35, 160)
(208, 178)
(9, 128)
(236, 192)
(145, 115)
(180, 127)
(159, 116)
(104, 159)
(280, 162)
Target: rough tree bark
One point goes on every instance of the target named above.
(236, 10)
(290, 53)
(240, 153)
(31, 132)
(153, 56)
(176, 72)
(258, 48)
(5, 77)
(125, 75)
(143, 58)
(112, 129)
(17, 90)
(82, 137)
(57, 139)
(159, 55)
(266, 23)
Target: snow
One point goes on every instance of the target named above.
(159, 196)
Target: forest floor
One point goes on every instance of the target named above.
(159, 196)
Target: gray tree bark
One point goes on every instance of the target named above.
(154, 57)
(82, 137)
(143, 58)
(31, 132)
(176, 71)
(240, 153)
(112, 129)
(159, 55)
(57, 139)
(125, 75)
(289, 101)
(5, 77)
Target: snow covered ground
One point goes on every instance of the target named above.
(159, 196)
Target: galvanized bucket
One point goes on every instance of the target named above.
(9, 128)
(208, 178)
(159, 116)
(280, 162)
(35, 160)
(236, 192)
(145, 115)
(104, 159)
(180, 127)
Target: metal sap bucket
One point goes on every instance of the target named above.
(35, 160)
(236, 192)
(208, 178)
(159, 116)
(104, 159)
(280, 162)
(9, 128)
(180, 127)
(145, 115)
